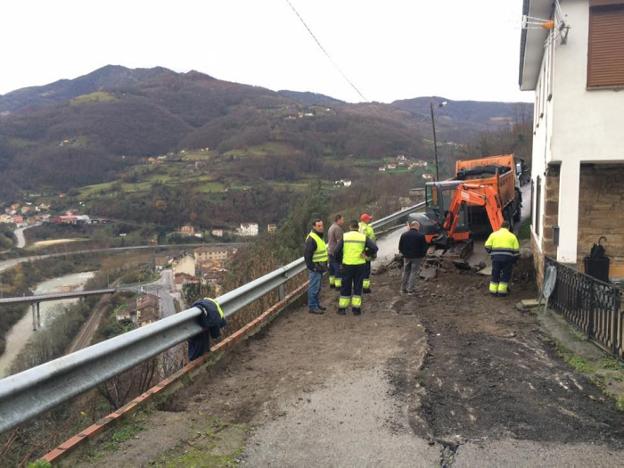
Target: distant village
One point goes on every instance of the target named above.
(28, 213)
(206, 265)
(403, 163)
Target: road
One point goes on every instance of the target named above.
(447, 377)
(19, 235)
(6, 264)
(164, 288)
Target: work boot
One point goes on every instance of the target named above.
(366, 290)
(356, 311)
(323, 308)
(332, 286)
(316, 311)
(342, 311)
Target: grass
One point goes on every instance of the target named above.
(607, 373)
(216, 444)
(128, 429)
(266, 149)
(97, 96)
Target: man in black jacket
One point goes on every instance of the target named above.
(413, 247)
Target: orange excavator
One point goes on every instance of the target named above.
(484, 193)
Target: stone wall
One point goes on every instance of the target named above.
(601, 205)
(551, 210)
(549, 220)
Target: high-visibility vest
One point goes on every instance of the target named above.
(219, 309)
(367, 230)
(502, 243)
(320, 254)
(353, 247)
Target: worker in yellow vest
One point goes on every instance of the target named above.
(504, 251)
(352, 252)
(316, 256)
(366, 229)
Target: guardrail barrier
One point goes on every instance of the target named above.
(36, 390)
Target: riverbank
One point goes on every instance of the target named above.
(18, 336)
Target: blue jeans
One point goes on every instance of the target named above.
(314, 289)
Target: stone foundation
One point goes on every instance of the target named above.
(601, 201)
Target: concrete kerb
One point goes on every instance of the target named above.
(179, 379)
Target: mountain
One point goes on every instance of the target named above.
(110, 76)
(93, 128)
(311, 99)
(478, 115)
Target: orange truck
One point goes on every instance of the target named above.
(483, 193)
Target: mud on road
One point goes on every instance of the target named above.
(449, 376)
(490, 373)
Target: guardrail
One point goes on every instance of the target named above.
(36, 390)
(591, 305)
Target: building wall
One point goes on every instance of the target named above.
(576, 125)
(588, 124)
(600, 204)
(185, 265)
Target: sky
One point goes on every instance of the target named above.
(390, 49)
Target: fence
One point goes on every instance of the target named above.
(36, 390)
(591, 305)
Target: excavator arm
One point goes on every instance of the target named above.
(473, 195)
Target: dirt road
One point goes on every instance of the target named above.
(453, 377)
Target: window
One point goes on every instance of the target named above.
(605, 58)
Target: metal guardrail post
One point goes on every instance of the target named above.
(34, 317)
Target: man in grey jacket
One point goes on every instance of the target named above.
(334, 236)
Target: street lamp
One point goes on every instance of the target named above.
(435, 141)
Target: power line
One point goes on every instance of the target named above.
(346, 78)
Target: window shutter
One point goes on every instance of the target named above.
(598, 3)
(605, 67)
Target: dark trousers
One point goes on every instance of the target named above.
(367, 274)
(351, 289)
(501, 275)
(334, 271)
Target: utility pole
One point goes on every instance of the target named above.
(435, 140)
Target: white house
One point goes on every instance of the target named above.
(247, 230)
(575, 66)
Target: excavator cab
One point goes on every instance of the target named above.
(438, 196)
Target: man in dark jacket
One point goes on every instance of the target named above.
(413, 247)
(316, 257)
(212, 320)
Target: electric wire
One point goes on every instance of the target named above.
(318, 43)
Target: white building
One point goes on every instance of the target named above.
(577, 73)
(247, 230)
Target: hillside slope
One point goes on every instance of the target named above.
(90, 129)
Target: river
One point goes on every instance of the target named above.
(22, 330)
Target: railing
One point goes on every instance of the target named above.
(36, 390)
(591, 305)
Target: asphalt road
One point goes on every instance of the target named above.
(6, 264)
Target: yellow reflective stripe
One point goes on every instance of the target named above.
(218, 306)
